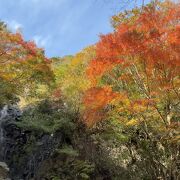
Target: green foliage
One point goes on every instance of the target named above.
(76, 168)
(67, 165)
(45, 119)
(73, 169)
(68, 151)
(71, 77)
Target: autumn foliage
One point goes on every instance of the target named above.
(140, 61)
(142, 58)
(23, 66)
(97, 99)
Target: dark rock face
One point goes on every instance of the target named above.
(9, 114)
(22, 150)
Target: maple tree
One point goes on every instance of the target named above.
(23, 66)
(140, 61)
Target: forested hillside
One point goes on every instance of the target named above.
(109, 112)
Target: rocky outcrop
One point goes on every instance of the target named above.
(4, 171)
(8, 114)
(23, 150)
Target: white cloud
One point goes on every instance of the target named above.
(14, 25)
(42, 41)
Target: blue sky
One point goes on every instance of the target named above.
(61, 27)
